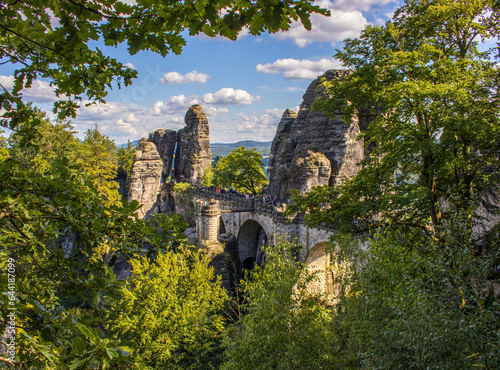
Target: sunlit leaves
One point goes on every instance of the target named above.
(52, 40)
(242, 169)
(170, 310)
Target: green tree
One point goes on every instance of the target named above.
(126, 157)
(241, 169)
(184, 202)
(46, 141)
(177, 326)
(63, 241)
(421, 189)
(285, 326)
(98, 159)
(54, 40)
(208, 177)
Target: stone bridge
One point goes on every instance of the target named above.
(254, 223)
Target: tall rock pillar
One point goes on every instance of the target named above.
(193, 155)
(145, 177)
(312, 149)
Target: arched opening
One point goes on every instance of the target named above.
(249, 263)
(222, 227)
(319, 262)
(251, 239)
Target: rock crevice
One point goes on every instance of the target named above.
(154, 159)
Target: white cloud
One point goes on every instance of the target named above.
(130, 65)
(255, 126)
(174, 104)
(299, 69)
(362, 5)
(125, 128)
(230, 96)
(214, 112)
(99, 111)
(131, 118)
(173, 78)
(344, 22)
(7, 81)
(40, 90)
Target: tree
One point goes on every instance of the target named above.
(177, 326)
(184, 202)
(63, 240)
(241, 169)
(51, 40)
(38, 143)
(126, 157)
(420, 191)
(98, 159)
(285, 326)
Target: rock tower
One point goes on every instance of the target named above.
(310, 148)
(154, 159)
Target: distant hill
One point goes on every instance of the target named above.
(134, 144)
(223, 149)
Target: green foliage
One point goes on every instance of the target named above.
(419, 305)
(208, 177)
(177, 326)
(39, 144)
(184, 201)
(285, 327)
(242, 169)
(424, 295)
(65, 239)
(98, 159)
(126, 157)
(54, 40)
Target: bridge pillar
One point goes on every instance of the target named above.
(207, 225)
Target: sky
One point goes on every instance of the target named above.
(244, 86)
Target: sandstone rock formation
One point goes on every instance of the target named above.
(313, 149)
(154, 158)
(165, 141)
(145, 177)
(193, 154)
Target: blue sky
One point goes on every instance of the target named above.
(244, 86)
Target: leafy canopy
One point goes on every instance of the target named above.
(170, 309)
(285, 325)
(98, 159)
(65, 240)
(422, 287)
(242, 169)
(53, 40)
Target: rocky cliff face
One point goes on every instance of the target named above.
(165, 141)
(145, 177)
(154, 158)
(193, 154)
(311, 149)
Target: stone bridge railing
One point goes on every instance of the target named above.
(237, 202)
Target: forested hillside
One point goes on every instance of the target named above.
(416, 252)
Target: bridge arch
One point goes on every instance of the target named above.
(251, 238)
(320, 262)
(222, 226)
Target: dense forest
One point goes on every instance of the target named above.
(417, 246)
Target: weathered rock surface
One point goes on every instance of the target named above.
(165, 141)
(145, 177)
(299, 160)
(193, 154)
(282, 134)
(309, 170)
